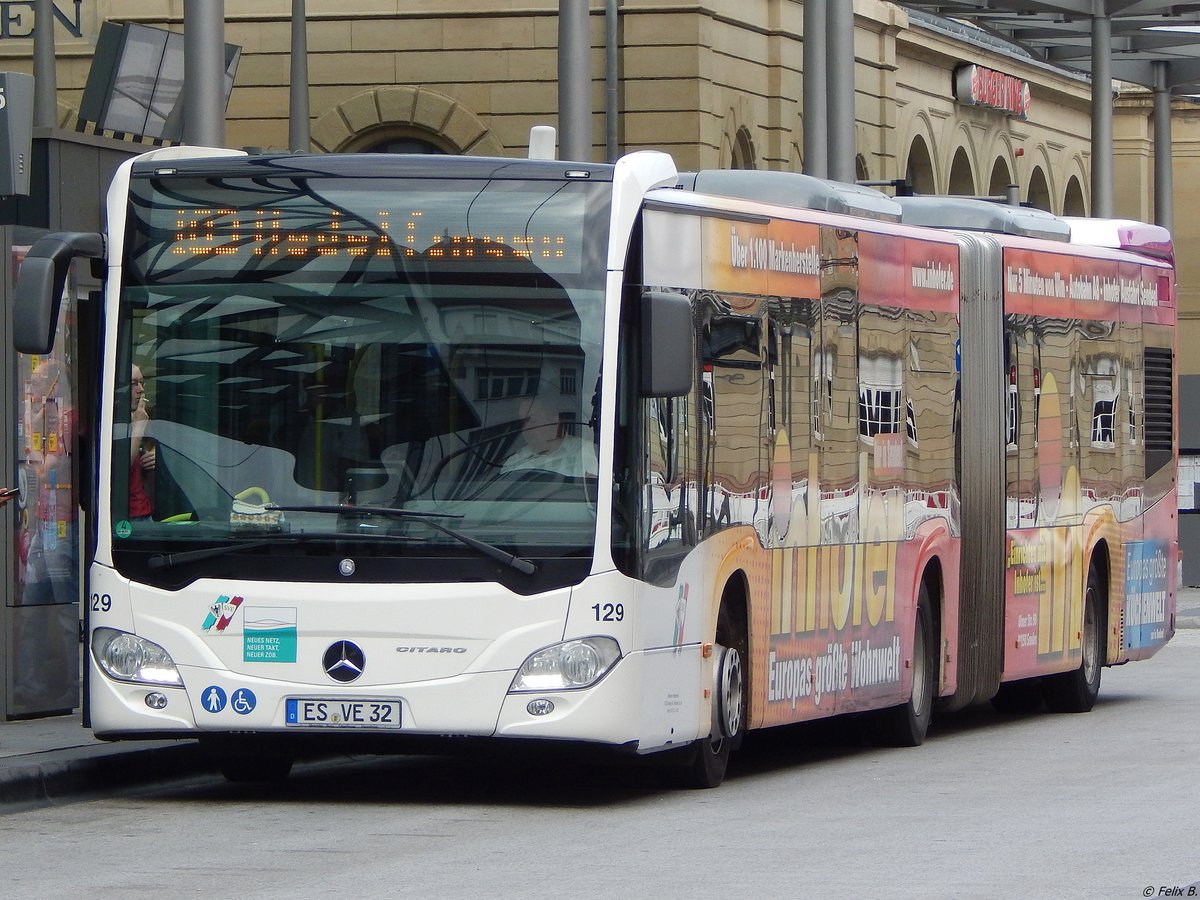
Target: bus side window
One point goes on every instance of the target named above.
(669, 528)
(660, 435)
(735, 381)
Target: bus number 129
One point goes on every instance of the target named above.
(609, 612)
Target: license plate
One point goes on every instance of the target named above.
(343, 713)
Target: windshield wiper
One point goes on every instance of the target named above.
(167, 560)
(522, 565)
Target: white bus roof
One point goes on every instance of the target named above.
(793, 189)
(1122, 234)
(969, 214)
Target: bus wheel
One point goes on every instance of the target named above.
(706, 760)
(1018, 697)
(248, 763)
(1076, 691)
(709, 756)
(905, 725)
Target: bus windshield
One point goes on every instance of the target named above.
(297, 350)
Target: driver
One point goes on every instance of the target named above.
(547, 444)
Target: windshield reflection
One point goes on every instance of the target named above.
(461, 387)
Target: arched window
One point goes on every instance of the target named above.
(1073, 204)
(743, 150)
(1039, 190)
(403, 145)
(404, 119)
(962, 179)
(860, 169)
(1000, 180)
(919, 173)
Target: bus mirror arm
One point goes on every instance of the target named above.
(668, 335)
(40, 284)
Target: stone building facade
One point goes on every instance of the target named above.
(716, 84)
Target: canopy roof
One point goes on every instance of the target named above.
(1144, 32)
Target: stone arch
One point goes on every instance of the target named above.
(1077, 193)
(918, 170)
(960, 162)
(1000, 178)
(919, 167)
(737, 138)
(1039, 190)
(400, 111)
(1006, 165)
(962, 175)
(1073, 202)
(743, 154)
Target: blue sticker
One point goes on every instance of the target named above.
(1146, 587)
(213, 698)
(269, 634)
(243, 701)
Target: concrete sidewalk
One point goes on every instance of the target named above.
(43, 760)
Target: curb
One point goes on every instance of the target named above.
(56, 774)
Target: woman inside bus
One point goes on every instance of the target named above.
(142, 453)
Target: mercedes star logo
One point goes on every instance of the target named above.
(344, 661)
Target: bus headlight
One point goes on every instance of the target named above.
(572, 664)
(127, 657)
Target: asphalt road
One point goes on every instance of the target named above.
(1098, 805)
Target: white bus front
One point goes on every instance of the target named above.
(360, 492)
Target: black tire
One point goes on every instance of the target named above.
(705, 762)
(256, 769)
(1019, 697)
(1076, 691)
(907, 724)
(249, 763)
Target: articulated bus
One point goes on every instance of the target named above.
(400, 448)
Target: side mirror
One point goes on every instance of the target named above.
(40, 284)
(668, 345)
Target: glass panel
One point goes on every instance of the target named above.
(47, 533)
(360, 342)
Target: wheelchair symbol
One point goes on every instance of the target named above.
(243, 701)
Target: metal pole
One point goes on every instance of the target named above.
(45, 77)
(816, 111)
(1102, 118)
(1164, 177)
(574, 81)
(612, 79)
(840, 96)
(299, 135)
(204, 72)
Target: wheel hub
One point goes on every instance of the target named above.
(727, 708)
